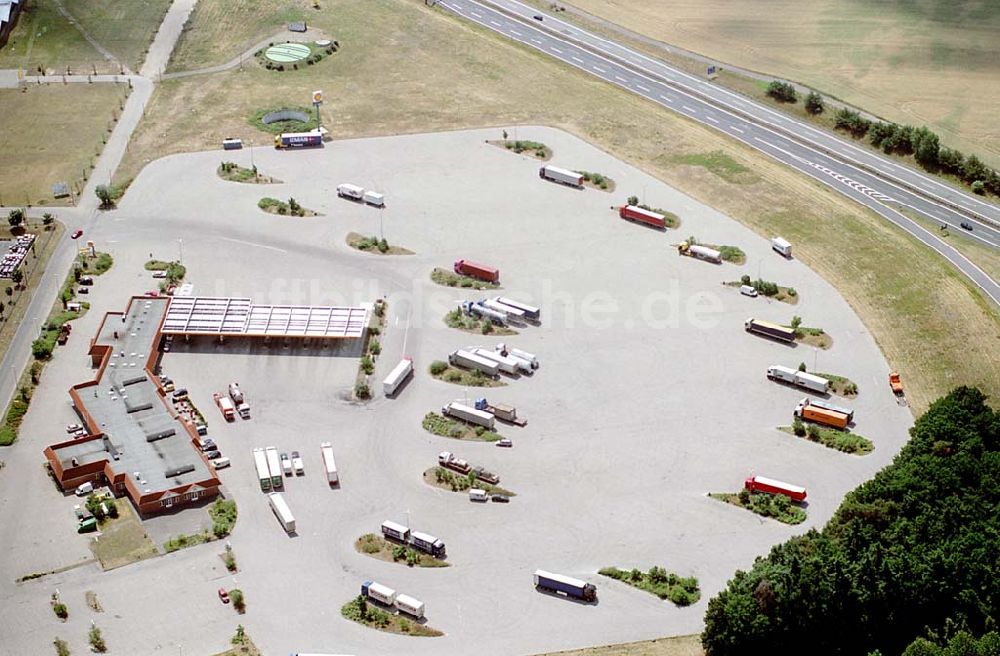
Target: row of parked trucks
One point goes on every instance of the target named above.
(501, 311)
(449, 460)
(420, 541)
(385, 595)
(491, 362)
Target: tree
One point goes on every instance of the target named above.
(97, 640)
(106, 195)
(782, 92)
(41, 349)
(950, 161)
(796, 322)
(632, 200)
(15, 217)
(47, 218)
(926, 148)
(17, 276)
(814, 103)
(973, 169)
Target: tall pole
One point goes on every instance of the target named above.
(381, 234)
(180, 249)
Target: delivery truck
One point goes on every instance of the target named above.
(397, 376)
(263, 473)
(771, 486)
(530, 358)
(281, 511)
(501, 411)
(530, 311)
(378, 592)
(507, 364)
(830, 406)
(781, 246)
(428, 544)
(350, 191)
(236, 394)
(799, 378)
(409, 605)
(471, 415)
(643, 216)
(476, 270)
(565, 585)
(700, 252)
(298, 140)
(816, 414)
(373, 198)
(274, 466)
(562, 176)
(329, 464)
(394, 531)
(772, 330)
(225, 406)
(467, 360)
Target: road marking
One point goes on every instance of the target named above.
(250, 243)
(536, 41)
(735, 129)
(639, 86)
(494, 23)
(688, 109)
(476, 14)
(555, 49)
(598, 68)
(709, 118)
(515, 33)
(620, 78)
(665, 99)
(577, 59)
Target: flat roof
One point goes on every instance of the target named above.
(218, 315)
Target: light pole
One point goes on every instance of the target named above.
(381, 234)
(253, 167)
(180, 250)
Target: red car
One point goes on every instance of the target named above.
(223, 595)
(77, 234)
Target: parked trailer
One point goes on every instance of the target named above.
(476, 270)
(700, 252)
(530, 358)
(471, 415)
(823, 416)
(298, 140)
(566, 585)
(463, 358)
(373, 198)
(448, 459)
(479, 310)
(501, 411)
(225, 406)
(428, 544)
(236, 394)
(563, 176)
(507, 364)
(782, 246)
(640, 215)
(380, 593)
(799, 378)
(771, 486)
(397, 376)
(274, 466)
(768, 329)
(282, 511)
(830, 406)
(530, 311)
(511, 312)
(329, 464)
(409, 605)
(263, 473)
(395, 531)
(350, 191)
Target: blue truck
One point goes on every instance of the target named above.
(565, 585)
(298, 139)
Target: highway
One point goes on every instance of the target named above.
(857, 173)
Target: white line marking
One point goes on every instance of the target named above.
(515, 33)
(494, 23)
(665, 99)
(735, 129)
(598, 68)
(620, 78)
(250, 243)
(577, 59)
(709, 118)
(555, 49)
(687, 108)
(639, 86)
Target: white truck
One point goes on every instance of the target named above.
(374, 198)
(798, 378)
(507, 364)
(511, 312)
(563, 176)
(263, 473)
(471, 415)
(397, 376)
(282, 511)
(467, 360)
(380, 593)
(326, 449)
(297, 464)
(700, 252)
(274, 466)
(530, 311)
(479, 310)
(448, 459)
(236, 394)
(409, 605)
(350, 191)
(530, 358)
(782, 246)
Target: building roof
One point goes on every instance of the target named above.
(211, 315)
(6, 8)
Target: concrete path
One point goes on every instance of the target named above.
(166, 38)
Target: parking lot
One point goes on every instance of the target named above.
(649, 395)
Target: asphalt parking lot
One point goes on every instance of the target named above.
(649, 395)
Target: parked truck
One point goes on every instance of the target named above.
(350, 191)
(428, 544)
(409, 605)
(397, 376)
(511, 312)
(782, 246)
(798, 378)
(700, 252)
(507, 364)
(236, 394)
(471, 415)
(263, 473)
(476, 270)
(771, 486)
(474, 309)
(501, 411)
(225, 405)
(814, 413)
(448, 459)
(274, 466)
(486, 475)
(467, 360)
(329, 464)
(298, 140)
(530, 311)
(378, 592)
(373, 198)
(394, 531)
(562, 176)
(644, 216)
(830, 406)
(772, 330)
(282, 511)
(565, 585)
(530, 358)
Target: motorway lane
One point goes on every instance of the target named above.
(872, 191)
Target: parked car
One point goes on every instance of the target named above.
(208, 445)
(86, 280)
(77, 234)
(500, 498)
(537, 17)
(82, 290)
(80, 433)
(180, 394)
(213, 454)
(747, 290)
(505, 442)
(160, 274)
(221, 463)
(297, 465)
(202, 429)
(84, 489)
(286, 464)
(223, 595)
(72, 428)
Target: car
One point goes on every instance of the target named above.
(180, 394)
(297, 464)
(500, 498)
(202, 429)
(214, 454)
(505, 442)
(286, 464)
(168, 387)
(538, 17)
(160, 274)
(83, 290)
(72, 428)
(86, 280)
(223, 595)
(221, 463)
(77, 234)
(208, 445)
(966, 226)
(77, 434)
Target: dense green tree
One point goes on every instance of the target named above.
(814, 103)
(782, 92)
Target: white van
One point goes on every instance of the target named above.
(221, 463)
(747, 290)
(475, 494)
(84, 489)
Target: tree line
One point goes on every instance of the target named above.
(908, 564)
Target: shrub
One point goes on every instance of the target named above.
(398, 552)
(97, 640)
(438, 367)
(60, 610)
(453, 376)
(680, 596)
(383, 245)
(230, 560)
(798, 427)
(62, 648)
(978, 187)
(812, 432)
(41, 349)
(632, 200)
(814, 103)
(374, 347)
(367, 365)
(791, 292)
(487, 327)
(412, 558)
(239, 602)
(744, 279)
(782, 92)
(362, 391)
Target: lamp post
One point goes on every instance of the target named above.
(180, 250)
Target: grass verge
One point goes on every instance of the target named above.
(775, 506)
(445, 479)
(813, 337)
(374, 245)
(462, 321)
(223, 514)
(364, 612)
(657, 581)
(597, 181)
(840, 385)
(452, 279)
(536, 149)
(233, 172)
(242, 645)
(768, 289)
(834, 439)
(464, 377)
(123, 540)
(458, 430)
(291, 208)
(378, 547)
(371, 348)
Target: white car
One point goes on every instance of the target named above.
(286, 464)
(297, 464)
(160, 274)
(72, 428)
(747, 290)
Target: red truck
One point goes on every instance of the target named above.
(639, 215)
(771, 486)
(480, 271)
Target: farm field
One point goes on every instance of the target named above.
(866, 54)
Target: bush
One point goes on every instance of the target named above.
(814, 103)
(60, 610)
(744, 279)
(782, 92)
(62, 648)
(978, 187)
(398, 552)
(374, 347)
(812, 432)
(15, 217)
(798, 427)
(362, 391)
(367, 365)
(680, 596)
(438, 367)
(97, 640)
(239, 602)
(42, 348)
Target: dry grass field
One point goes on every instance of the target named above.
(927, 62)
(52, 133)
(679, 646)
(43, 37)
(436, 72)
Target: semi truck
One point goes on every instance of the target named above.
(772, 330)
(282, 511)
(471, 415)
(798, 378)
(530, 358)
(476, 270)
(448, 459)
(640, 215)
(396, 532)
(421, 541)
(225, 406)
(467, 360)
(274, 466)
(700, 252)
(507, 364)
(263, 473)
(298, 140)
(483, 474)
(501, 411)
(380, 593)
(819, 415)
(511, 312)
(562, 176)
(409, 605)
(565, 585)
(350, 191)
(474, 309)
(771, 486)
(329, 464)
(236, 394)
(397, 376)
(782, 246)
(830, 406)
(530, 311)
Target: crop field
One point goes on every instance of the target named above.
(919, 63)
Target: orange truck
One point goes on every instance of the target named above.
(226, 406)
(896, 383)
(823, 416)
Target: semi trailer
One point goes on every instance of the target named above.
(471, 415)
(507, 364)
(562, 176)
(530, 311)
(771, 486)
(329, 464)
(298, 140)
(467, 360)
(511, 312)
(799, 378)
(421, 541)
(501, 411)
(409, 605)
(772, 330)
(565, 585)
(380, 593)
(274, 466)
(644, 216)
(530, 358)
(830, 406)
(263, 473)
(282, 511)
(225, 406)
(816, 414)
(700, 252)
(476, 270)
(350, 191)
(373, 198)
(397, 376)
(474, 309)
